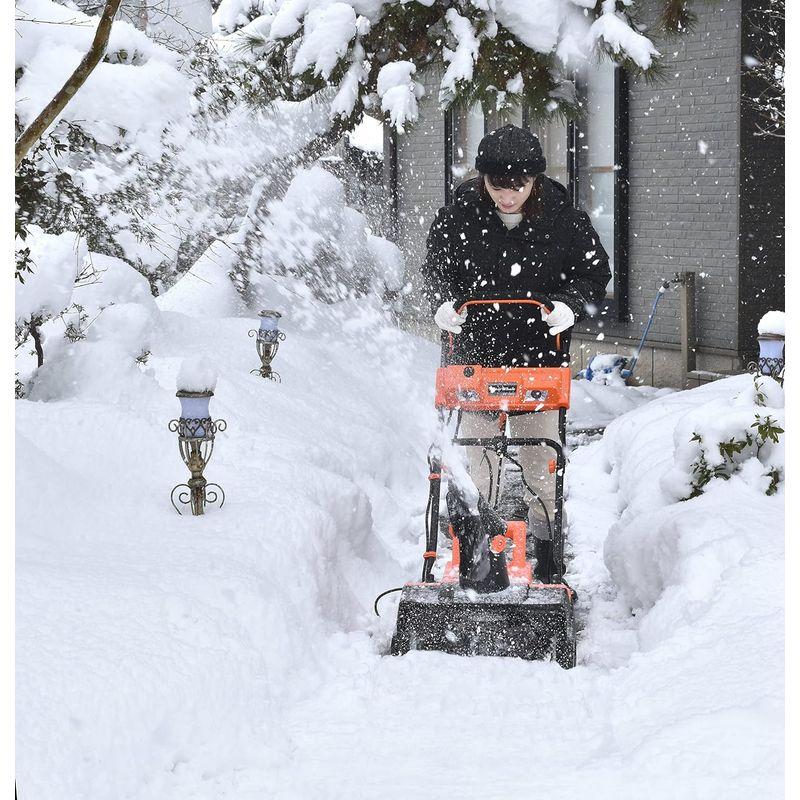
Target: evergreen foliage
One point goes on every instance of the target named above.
(496, 66)
(748, 443)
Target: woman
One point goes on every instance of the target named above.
(509, 233)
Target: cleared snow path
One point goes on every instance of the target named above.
(236, 655)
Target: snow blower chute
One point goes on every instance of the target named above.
(505, 610)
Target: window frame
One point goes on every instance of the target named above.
(449, 150)
(618, 305)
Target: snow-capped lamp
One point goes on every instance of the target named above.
(771, 345)
(268, 338)
(196, 431)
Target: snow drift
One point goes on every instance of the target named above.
(237, 654)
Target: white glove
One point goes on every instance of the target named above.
(448, 319)
(560, 318)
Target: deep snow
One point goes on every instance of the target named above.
(236, 655)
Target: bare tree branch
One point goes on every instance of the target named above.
(92, 58)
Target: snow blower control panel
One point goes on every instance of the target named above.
(476, 388)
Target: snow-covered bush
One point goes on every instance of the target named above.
(76, 296)
(722, 438)
(110, 281)
(312, 234)
(47, 289)
(671, 547)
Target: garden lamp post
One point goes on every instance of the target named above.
(196, 431)
(771, 355)
(268, 338)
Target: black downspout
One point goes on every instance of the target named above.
(395, 222)
(621, 192)
(448, 156)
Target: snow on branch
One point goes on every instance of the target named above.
(496, 52)
(461, 61)
(328, 33)
(399, 92)
(48, 114)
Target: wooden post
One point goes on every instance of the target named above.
(688, 325)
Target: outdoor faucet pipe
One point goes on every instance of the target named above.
(626, 373)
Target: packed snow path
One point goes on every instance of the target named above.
(236, 655)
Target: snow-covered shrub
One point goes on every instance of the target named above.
(313, 235)
(666, 543)
(721, 439)
(50, 194)
(155, 157)
(47, 289)
(105, 168)
(83, 309)
(109, 281)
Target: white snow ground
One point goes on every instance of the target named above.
(236, 655)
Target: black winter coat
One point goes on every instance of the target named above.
(472, 255)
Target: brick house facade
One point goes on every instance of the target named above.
(694, 191)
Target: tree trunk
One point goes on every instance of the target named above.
(37, 340)
(98, 48)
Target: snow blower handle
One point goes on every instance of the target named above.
(530, 299)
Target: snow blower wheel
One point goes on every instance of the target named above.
(529, 618)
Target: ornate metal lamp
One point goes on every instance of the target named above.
(268, 338)
(196, 431)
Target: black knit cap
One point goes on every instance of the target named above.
(510, 151)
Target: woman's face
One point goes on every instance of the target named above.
(509, 201)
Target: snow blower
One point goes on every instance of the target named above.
(488, 600)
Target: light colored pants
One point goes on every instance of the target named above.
(534, 459)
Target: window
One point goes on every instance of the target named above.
(554, 141)
(598, 166)
(464, 129)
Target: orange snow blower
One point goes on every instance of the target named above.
(510, 612)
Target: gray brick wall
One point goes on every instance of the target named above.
(683, 202)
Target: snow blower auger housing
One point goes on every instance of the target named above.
(528, 618)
